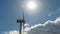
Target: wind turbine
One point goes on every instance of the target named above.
(22, 22)
(31, 5)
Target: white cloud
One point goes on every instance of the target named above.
(49, 27)
(12, 32)
(26, 24)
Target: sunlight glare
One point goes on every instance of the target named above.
(31, 5)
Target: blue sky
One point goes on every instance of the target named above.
(10, 11)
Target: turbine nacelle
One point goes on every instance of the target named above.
(20, 21)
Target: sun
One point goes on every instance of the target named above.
(31, 5)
